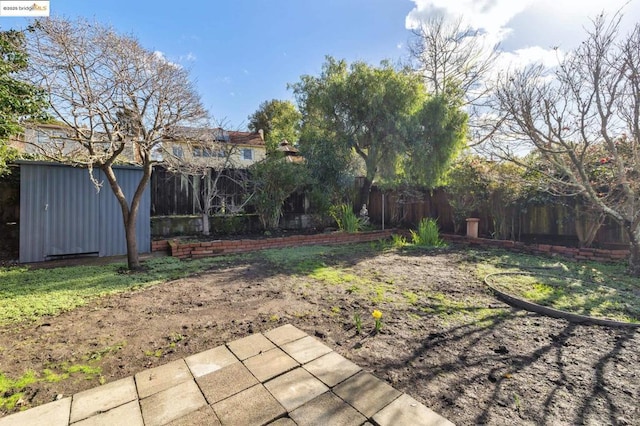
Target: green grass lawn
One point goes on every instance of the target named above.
(601, 290)
(26, 294)
(587, 288)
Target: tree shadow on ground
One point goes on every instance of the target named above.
(497, 369)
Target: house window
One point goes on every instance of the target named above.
(247, 154)
(43, 138)
(178, 152)
(206, 152)
(197, 152)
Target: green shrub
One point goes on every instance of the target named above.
(398, 241)
(345, 218)
(428, 234)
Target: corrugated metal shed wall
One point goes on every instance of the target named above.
(112, 240)
(62, 214)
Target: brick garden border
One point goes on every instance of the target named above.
(186, 250)
(195, 250)
(596, 255)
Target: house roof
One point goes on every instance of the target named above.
(246, 138)
(217, 134)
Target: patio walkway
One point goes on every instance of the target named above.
(282, 377)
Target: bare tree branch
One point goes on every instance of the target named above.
(581, 119)
(117, 102)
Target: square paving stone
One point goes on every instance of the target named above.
(128, 414)
(327, 409)
(254, 406)
(52, 414)
(209, 361)
(366, 393)
(305, 349)
(332, 368)
(295, 388)
(103, 398)
(406, 411)
(270, 364)
(203, 416)
(171, 404)
(225, 382)
(285, 334)
(250, 346)
(163, 377)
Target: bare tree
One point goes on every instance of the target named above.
(453, 59)
(456, 61)
(583, 120)
(209, 160)
(114, 96)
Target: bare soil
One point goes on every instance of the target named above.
(446, 340)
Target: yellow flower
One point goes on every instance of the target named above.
(377, 314)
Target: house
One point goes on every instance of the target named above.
(56, 141)
(214, 148)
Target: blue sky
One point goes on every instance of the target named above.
(243, 52)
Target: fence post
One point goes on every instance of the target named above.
(472, 227)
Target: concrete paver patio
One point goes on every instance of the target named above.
(282, 377)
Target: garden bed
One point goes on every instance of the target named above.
(445, 339)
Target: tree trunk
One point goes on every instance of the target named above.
(133, 259)
(634, 251)
(129, 211)
(365, 191)
(205, 224)
(587, 225)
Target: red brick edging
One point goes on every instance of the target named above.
(597, 255)
(196, 250)
(217, 247)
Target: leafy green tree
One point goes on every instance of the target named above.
(272, 181)
(382, 114)
(440, 134)
(18, 100)
(279, 120)
(507, 187)
(467, 188)
(330, 168)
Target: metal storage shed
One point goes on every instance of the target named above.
(62, 213)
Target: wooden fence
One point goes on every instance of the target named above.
(535, 223)
(176, 194)
(555, 223)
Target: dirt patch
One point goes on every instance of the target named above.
(446, 340)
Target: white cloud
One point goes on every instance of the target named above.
(491, 16)
(520, 58)
(160, 56)
(528, 30)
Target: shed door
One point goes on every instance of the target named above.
(71, 213)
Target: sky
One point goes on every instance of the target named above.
(243, 52)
